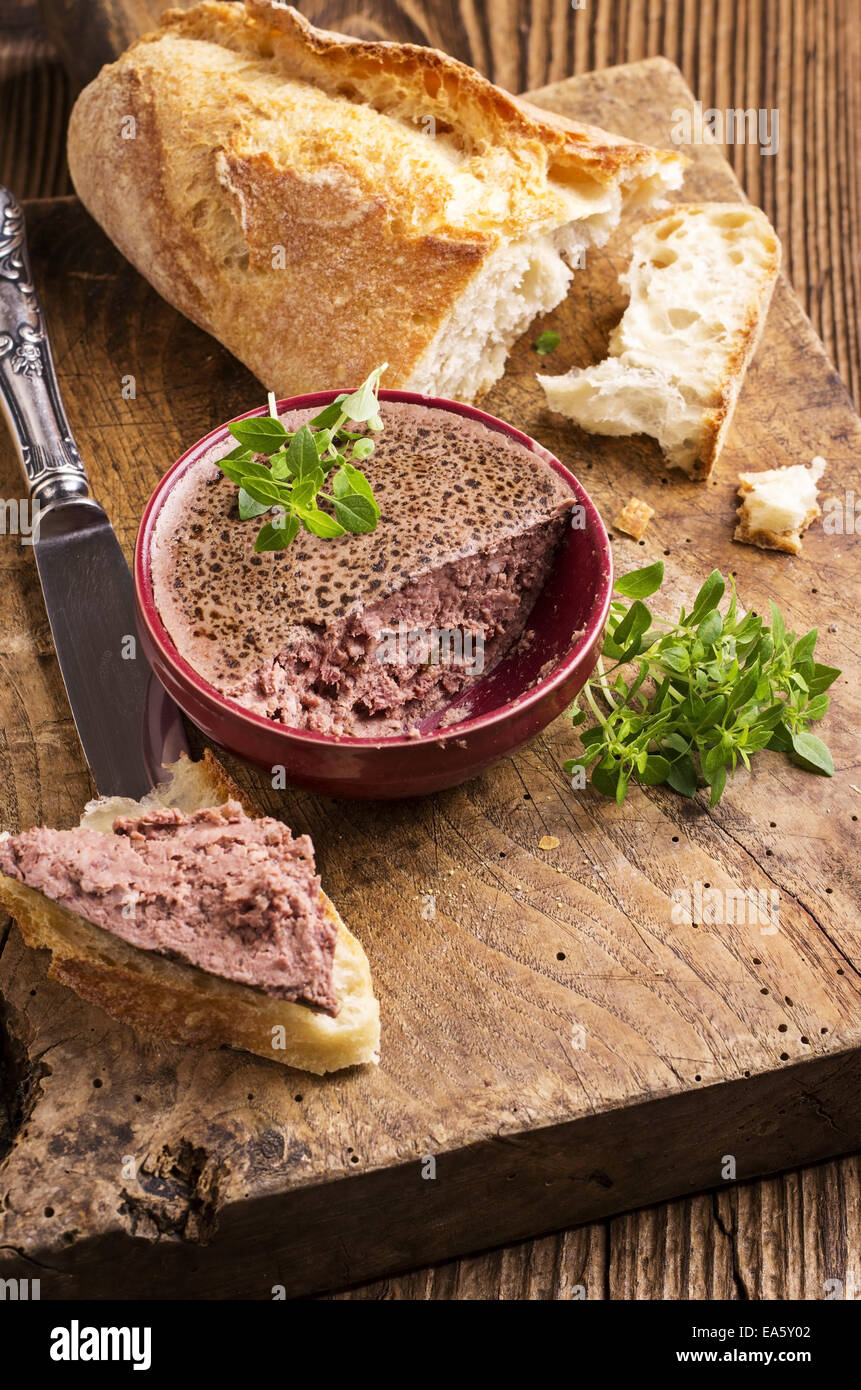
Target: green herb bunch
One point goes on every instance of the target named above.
(289, 484)
(700, 694)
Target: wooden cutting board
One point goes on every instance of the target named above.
(551, 1038)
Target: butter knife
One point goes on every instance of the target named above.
(128, 725)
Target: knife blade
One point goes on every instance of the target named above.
(127, 723)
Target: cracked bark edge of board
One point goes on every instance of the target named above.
(314, 1241)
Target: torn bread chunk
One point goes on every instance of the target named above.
(700, 280)
(778, 505)
(205, 926)
(366, 635)
(321, 204)
(634, 518)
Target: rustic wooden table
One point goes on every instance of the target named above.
(783, 1237)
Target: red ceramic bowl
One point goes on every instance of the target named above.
(505, 709)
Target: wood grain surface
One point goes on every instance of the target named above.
(768, 1239)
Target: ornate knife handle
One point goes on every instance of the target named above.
(29, 393)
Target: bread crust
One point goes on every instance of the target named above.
(748, 340)
(788, 542)
(490, 112)
(298, 239)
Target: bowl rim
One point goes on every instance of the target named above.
(157, 633)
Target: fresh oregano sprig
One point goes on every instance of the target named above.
(683, 703)
(281, 473)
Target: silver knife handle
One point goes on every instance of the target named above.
(29, 394)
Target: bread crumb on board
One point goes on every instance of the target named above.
(778, 505)
(634, 518)
(548, 842)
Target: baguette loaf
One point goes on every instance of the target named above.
(166, 998)
(700, 278)
(322, 204)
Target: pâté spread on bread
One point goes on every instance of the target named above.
(470, 521)
(236, 897)
(192, 918)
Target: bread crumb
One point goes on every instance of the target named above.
(778, 505)
(548, 842)
(634, 518)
